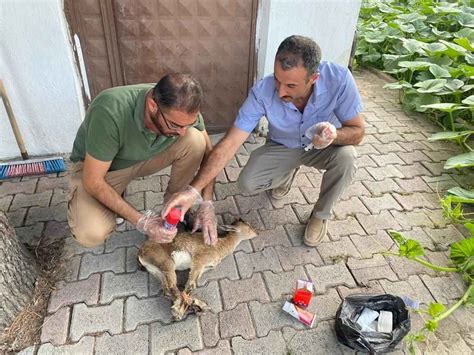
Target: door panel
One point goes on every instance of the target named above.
(134, 41)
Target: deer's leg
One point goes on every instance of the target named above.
(198, 267)
(164, 270)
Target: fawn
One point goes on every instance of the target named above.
(189, 252)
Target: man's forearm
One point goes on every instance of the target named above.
(215, 162)
(349, 136)
(105, 194)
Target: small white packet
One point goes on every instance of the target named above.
(385, 322)
(366, 318)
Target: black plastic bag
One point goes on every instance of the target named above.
(350, 333)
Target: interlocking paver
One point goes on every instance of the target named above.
(12, 188)
(415, 218)
(233, 173)
(72, 247)
(5, 202)
(144, 311)
(88, 320)
(55, 327)
(210, 294)
(281, 216)
(235, 292)
(445, 289)
(166, 338)
(412, 170)
(444, 236)
(367, 245)
(135, 342)
(131, 263)
(226, 206)
(66, 294)
(27, 200)
(349, 208)
(334, 251)
(115, 286)
(371, 287)
(303, 212)
(387, 159)
(154, 200)
(151, 183)
(273, 343)
(411, 157)
(43, 214)
(269, 316)
(223, 191)
(124, 239)
(253, 218)
(294, 196)
(236, 322)
(30, 235)
(255, 262)
(412, 201)
(413, 287)
(270, 238)
(338, 229)
(56, 229)
(52, 183)
(381, 187)
(321, 339)
(226, 269)
(328, 276)
(283, 283)
(84, 346)
(295, 233)
(356, 189)
(378, 204)
(382, 173)
(253, 202)
(325, 306)
(298, 255)
(17, 218)
(209, 328)
(373, 223)
(114, 261)
(363, 276)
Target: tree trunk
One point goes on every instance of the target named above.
(18, 272)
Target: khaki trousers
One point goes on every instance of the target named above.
(272, 165)
(91, 222)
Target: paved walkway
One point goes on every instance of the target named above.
(106, 305)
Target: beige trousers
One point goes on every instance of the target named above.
(91, 222)
(272, 165)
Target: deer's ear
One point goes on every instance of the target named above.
(227, 228)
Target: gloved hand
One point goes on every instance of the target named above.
(183, 199)
(322, 134)
(151, 224)
(206, 220)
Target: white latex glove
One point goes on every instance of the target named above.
(207, 221)
(322, 134)
(151, 224)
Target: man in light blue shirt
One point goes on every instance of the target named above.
(303, 93)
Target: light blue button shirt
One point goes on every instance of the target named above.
(335, 99)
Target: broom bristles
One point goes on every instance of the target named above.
(31, 167)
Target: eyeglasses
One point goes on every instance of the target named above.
(171, 125)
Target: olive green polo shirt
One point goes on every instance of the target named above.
(114, 129)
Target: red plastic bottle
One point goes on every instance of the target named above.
(172, 218)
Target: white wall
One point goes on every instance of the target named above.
(39, 72)
(330, 23)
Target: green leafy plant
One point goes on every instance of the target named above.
(462, 260)
(427, 46)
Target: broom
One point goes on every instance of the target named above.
(30, 167)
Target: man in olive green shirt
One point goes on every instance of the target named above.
(134, 131)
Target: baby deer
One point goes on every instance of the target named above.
(189, 252)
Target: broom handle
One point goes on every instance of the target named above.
(11, 117)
